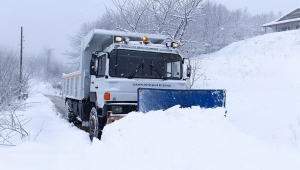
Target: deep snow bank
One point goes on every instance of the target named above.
(262, 78)
(172, 139)
(192, 139)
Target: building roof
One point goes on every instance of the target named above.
(290, 17)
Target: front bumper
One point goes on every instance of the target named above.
(127, 107)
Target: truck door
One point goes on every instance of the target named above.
(97, 80)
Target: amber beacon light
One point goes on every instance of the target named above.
(144, 38)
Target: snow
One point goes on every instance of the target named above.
(173, 139)
(261, 76)
(276, 22)
(37, 86)
(100, 33)
(262, 81)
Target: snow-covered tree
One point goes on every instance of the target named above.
(12, 86)
(199, 26)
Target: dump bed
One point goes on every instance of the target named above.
(73, 85)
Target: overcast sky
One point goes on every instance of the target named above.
(49, 22)
(45, 22)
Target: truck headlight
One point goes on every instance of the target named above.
(116, 109)
(174, 44)
(118, 39)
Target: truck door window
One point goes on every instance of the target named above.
(96, 66)
(101, 66)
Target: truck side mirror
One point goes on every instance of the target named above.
(188, 70)
(183, 60)
(93, 65)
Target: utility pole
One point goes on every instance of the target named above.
(21, 53)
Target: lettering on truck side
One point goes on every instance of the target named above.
(151, 85)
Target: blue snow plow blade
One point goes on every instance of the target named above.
(162, 99)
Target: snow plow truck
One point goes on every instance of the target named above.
(122, 72)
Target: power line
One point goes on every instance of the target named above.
(62, 26)
(60, 23)
(54, 37)
(81, 20)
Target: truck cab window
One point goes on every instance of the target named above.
(173, 69)
(101, 66)
(96, 66)
(144, 64)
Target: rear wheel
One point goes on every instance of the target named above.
(68, 111)
(93, 124)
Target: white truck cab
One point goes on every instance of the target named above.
(114, 65)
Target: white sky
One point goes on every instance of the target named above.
(262, 6)
(49, 22)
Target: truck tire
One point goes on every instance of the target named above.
(94, 124)
(69, 111)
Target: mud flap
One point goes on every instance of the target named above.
(162, 99)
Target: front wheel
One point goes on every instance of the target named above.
(93, 124)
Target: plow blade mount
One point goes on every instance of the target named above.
(162, 99)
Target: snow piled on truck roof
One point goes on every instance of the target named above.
(100, 37)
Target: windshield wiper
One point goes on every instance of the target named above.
(141, 65)
(152, 67)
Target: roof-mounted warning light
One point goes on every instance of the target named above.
(144, 38)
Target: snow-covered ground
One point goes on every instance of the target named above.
(37, 86)
(262, 81)
(173, 139)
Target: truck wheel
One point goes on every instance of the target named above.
(68, 111)
(93, 124)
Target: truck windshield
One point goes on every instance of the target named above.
(142, 64)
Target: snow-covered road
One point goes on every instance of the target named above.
(58, 102)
